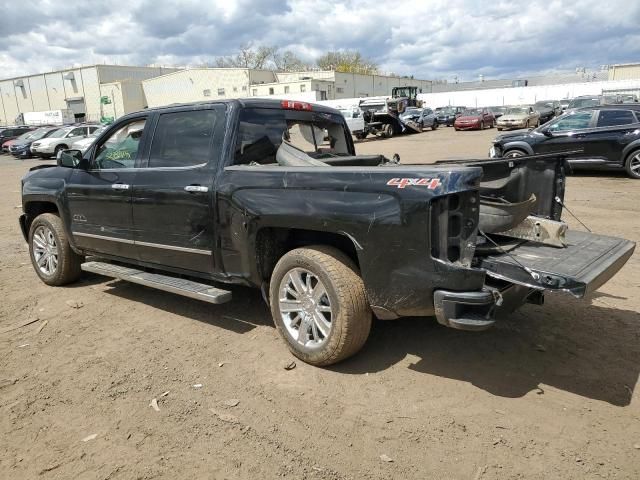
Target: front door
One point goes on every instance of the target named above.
(568, 133)
(173, 195)
(99, 197)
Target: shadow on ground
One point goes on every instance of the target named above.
(570, 345)
(586, 350)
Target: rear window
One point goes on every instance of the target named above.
(613, 118)
(261, 131)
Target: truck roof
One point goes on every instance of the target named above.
(244, 103)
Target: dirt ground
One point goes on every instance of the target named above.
(549, 393)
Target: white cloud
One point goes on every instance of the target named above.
(428, 39)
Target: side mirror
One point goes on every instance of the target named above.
(546, 132)
(69, 158)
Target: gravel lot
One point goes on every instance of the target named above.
(549, 393)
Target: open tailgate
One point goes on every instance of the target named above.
(585, 264)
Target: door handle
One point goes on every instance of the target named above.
(120, 186)
(196, 188)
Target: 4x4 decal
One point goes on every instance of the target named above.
(430, 183)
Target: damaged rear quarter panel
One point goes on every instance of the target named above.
(388, 226)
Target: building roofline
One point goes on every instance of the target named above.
(70, 69)
(189, 69)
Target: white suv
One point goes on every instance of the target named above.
(61, 140)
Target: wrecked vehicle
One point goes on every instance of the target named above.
(272, 195)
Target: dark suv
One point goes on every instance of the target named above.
(608, 137)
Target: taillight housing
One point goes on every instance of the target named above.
(454, 227)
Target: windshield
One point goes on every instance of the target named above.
(98, 131)
(544, 105)
(497, 109)
(516, 111)
(261, 131)
(59, 133)
(412, 111)
(445, 111)
(584, 102)
(25, 136)
(472, 112)
(40, 133)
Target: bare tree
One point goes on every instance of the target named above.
(347, 61)
(288, 62)
(249, 57)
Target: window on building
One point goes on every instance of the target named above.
(303, 87)
(182, 139)
(612, 118)
(206, 92)
(270, 90)
(286, 89)
(235, 89)
(244, 88)
(254, 92)
(221, 91)
(339, 90)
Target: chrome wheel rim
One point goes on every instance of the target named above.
(634, 165)
(305, 308)
(514, 154)
(45, 250)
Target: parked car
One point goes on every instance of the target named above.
(585, 101)
(60, 140)
(422, 117)
(447, 115)
(9, 133)
(21, 147)
(475, 119)
(628, 98)
(497, 111)
(608, 137)
(523, 116)
(85, 143)
(215, 192)
(548, 109)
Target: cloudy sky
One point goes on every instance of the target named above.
(431, 39)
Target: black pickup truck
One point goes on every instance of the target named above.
(271, 194)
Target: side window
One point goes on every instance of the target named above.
(572, 121)
(182, 139)
(120, 149)
(76, 132)
(259, 135)
(93, 129)
(612, 118)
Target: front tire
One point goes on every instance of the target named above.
(632, 164)
(434, 125)
(51, 255)
(319, 305)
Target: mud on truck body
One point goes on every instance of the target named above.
(272, 195)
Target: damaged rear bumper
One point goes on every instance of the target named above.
(477, 310)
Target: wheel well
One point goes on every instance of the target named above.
(273, 243)
(62, 145)
(33, 209)
(517, 149)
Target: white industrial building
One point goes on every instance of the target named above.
(201, 84)
(78, 89)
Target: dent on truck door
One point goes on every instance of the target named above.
(173, 196)
(99, 198)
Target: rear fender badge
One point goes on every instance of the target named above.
(430, 183)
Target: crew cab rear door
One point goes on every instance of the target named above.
(173, 195)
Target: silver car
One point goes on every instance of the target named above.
(84, 143)
(61, 139)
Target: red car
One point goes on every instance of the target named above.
(6, 145)
(475, 119)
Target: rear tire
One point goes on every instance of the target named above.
(51, 255)
(632, 164)
(303, 274)
(388, 130)
(434, 125)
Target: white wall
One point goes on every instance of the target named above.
(522, 95)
